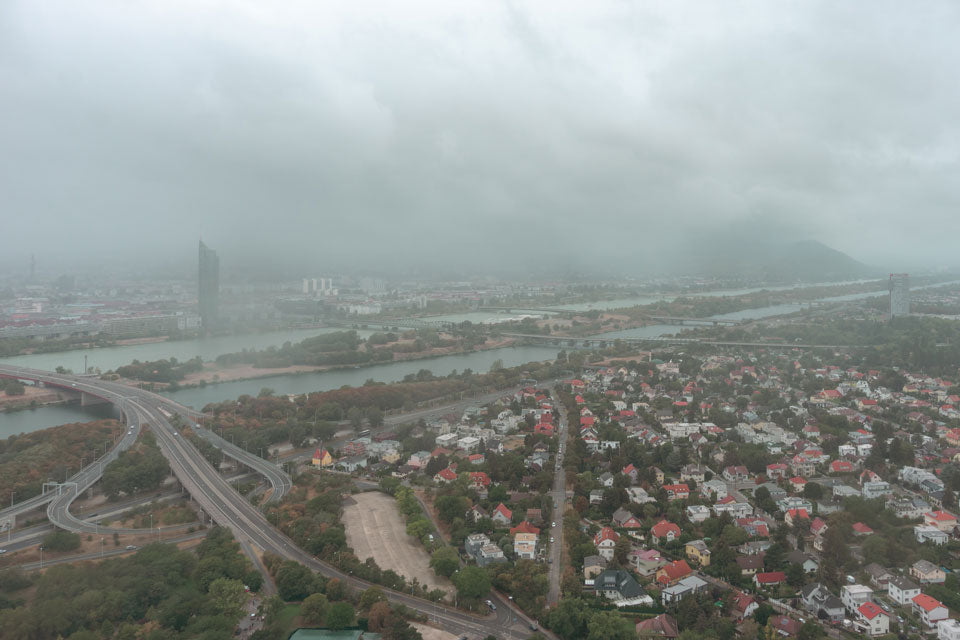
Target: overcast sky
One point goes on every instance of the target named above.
(336, 133)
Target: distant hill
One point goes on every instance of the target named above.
(806, 260)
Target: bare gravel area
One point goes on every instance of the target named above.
(375, 529)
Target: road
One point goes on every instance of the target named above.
(559, 494)
(97, 555)
(229, 509)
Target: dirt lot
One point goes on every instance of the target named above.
(376, 529)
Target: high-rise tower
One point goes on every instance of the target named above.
(899, 294)
(208, 289)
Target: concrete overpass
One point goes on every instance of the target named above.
(597, 342)
(229, 509)
(676, 320)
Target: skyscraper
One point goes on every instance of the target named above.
(899, 294)
(208, 289)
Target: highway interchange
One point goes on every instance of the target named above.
(227, 507)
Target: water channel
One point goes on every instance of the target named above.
(209, 348)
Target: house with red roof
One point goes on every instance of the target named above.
(744, 605)
(784, 625)
(755, 526)
(942, 520)
(476, 458)
(502, 515)
(776, 470)
(737, 473)
(544, 428)
(860, 529)
(625, 520)
(797, 483)
(792, 516)
(480, 479)
(829, 394)
(631, 471)
(524, 527)
(841, 466)
(445, 475)
(664, 531)
(769, 578)
(930, 610)
(677, 491)
(673, 572)
(605, 541)
(872, 619)
(661, 627)
(818, 527)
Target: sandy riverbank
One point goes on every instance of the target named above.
(31, 395)
(213, 373)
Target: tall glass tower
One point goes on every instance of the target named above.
(208, 290)
(899, 294)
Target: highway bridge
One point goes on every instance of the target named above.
(597, 342)
(229, 509)
(677, 320)
(390, 324)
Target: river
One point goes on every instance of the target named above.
(210, 348)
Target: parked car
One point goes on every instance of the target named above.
(492, 606)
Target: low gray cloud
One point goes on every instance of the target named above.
(515, 134)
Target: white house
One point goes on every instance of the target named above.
(926, 533)
(872, 619)
(854, 595)
(930, 610)
(525, 546)
(697, 513)
(902, 591)
(948, 629)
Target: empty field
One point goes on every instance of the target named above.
(375, 529)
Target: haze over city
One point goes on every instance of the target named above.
(474, 136)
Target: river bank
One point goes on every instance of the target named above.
(214, 373)
(32, 397)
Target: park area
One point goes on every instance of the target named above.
(375, 529)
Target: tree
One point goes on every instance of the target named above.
(340, 615)
(445, 561)
(370, 597)
(61, 541)
(378, 617)
(419, 528)
(336, 589)
(569, 619)
(609, 625)
(810, 630)
(472, 583)
(228, 597)
(294, 581)
(813, 491)
(314, 608)
(622, 550)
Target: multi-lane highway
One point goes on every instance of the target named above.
(229, 509)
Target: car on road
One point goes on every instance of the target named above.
(131, 547)
(492, 606)
(2, 551)
(551, 538)
(553, 524)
